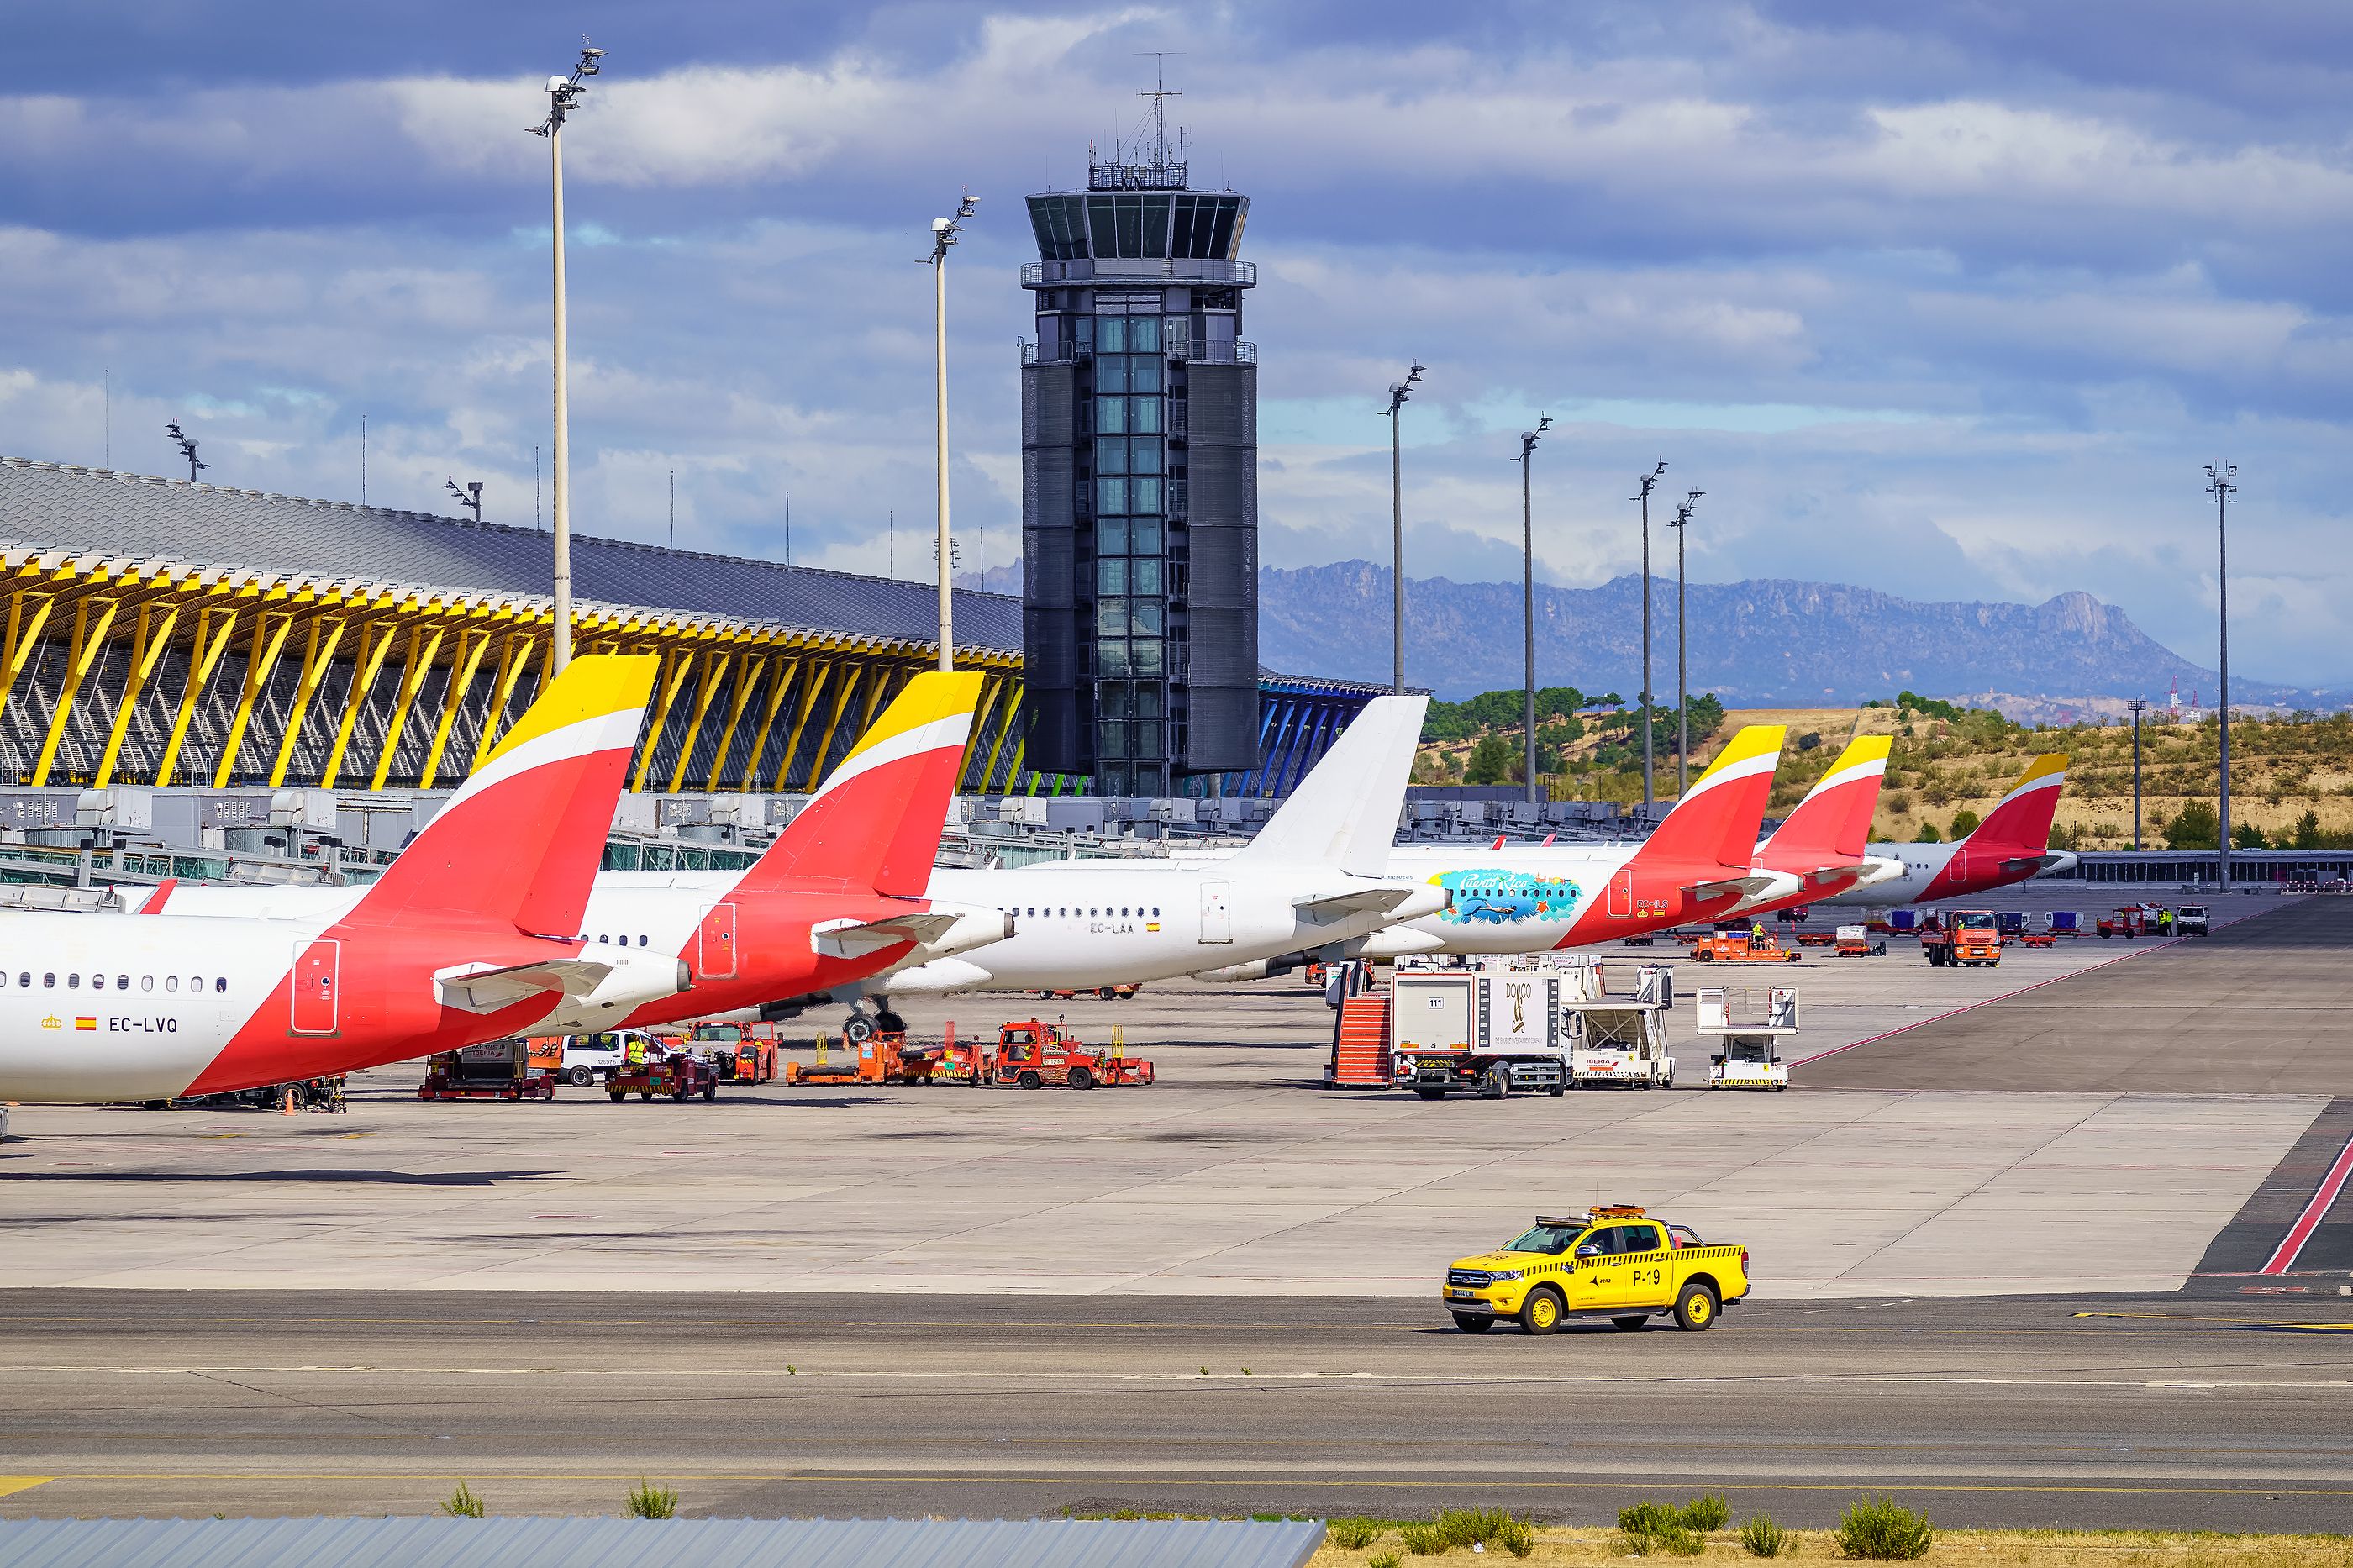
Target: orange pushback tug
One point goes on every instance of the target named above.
(1742, 947)
(1033, 1052)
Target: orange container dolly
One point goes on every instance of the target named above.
(495, 1069)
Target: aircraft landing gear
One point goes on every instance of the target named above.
(889, 1022)
(858, 1028)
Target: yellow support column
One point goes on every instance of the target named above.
(782, 684)
(747, 681)
(316, 661)
(421, 650)
(204, 658)
(471, 646)
(521, 646)
(800, 722)
(714, 670)
(84, 652)
(833, 724)
(376, 641)
(22, 643)
(874, 697)
(260, 658)
(146, 652)
(1004, 728)
(658, 720)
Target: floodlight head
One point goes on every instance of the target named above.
(1695, 495)
(1544, 423)
(1414, 373)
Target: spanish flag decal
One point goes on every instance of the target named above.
(85, 1023)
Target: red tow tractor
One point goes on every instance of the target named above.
(1033, 1052)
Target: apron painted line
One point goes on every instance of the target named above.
(1986, 1002)
(2283, 1257)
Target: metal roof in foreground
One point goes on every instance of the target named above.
(65, 507)
(662, 1544)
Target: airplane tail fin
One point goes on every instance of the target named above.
(876, 823)
(520, 842)
(1833, 821)
(1345, 812)
(2021, 823)
(1716, 820)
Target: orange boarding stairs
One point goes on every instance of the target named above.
(1360, 1045)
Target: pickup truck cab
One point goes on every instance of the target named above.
(1615, 1262)
(2190, 919)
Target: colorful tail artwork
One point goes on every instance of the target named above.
(875, 824)
(1715, 822)
(1832, 824)
(518, 846)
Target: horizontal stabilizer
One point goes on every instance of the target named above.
(941, 930)
(482, 988)
(1764, 885)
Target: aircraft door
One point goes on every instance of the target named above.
(1217, 912)
(717, 957)
(1621, 894)
(317, 979)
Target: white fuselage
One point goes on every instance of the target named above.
(641, 913)
(111, 1007)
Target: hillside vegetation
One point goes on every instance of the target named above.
(2291, 778)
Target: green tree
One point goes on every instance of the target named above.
(1965, 822)
(2247, 835)
(2307, 831)
(1490, 759)
(2197, 827)
(1928, 834)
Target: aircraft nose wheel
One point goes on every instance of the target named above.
(890, 1023)
(858, 1029)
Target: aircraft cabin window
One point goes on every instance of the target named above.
(606, 939)
(220, 982)
(25, 979)
(146, 983)
(641, 938)
(48, 980)
(171, 983)
(73, 982)
(1155, 911)
(122, 982)
(196, 982)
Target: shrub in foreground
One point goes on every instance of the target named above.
(1880, 1530)
(647, 1500)
(1763, 1538)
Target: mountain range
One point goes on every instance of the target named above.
(1762, 643)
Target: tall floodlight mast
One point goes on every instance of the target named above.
(1399, 392)
(468, 494)
(1528, 439)
(564, 96)
(1682, 658)
(2222, 483)
(1649, 479)
(945, 231)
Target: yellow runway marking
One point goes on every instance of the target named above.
(2231, 1323)
(9, 1483)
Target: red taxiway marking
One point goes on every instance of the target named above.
(2283, 1259)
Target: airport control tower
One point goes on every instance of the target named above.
(1139, 483)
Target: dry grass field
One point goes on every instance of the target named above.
(1953, 1549)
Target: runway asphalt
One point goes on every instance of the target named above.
(2145, 1411)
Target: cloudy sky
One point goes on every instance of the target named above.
(1957, 307)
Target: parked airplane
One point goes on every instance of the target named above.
(836, 897)
(2011, 845)
(1314, 876)
(1824, 841)
(464, 937)
(1697, 864)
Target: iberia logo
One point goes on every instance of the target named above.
(53, 1021)
(85, 1023)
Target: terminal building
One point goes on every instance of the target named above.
(162, 633)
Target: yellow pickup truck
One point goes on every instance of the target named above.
(1615, 1262)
